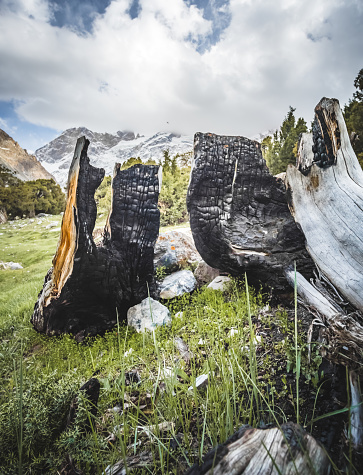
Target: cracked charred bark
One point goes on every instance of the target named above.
(89, 284)
(239, 214)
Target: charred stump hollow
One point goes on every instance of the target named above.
(88, 284)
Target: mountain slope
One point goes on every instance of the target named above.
(106, 149)
(17, 160)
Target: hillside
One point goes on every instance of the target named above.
(19, 162)
(106, 149)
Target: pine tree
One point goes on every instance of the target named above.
(278, 151)
(353, 115)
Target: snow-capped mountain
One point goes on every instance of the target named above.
(106, 149)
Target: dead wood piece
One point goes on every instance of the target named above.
(183, 349)
(145, 459)
(88, 284)
(341, 333)
(326, 200)
(288, 450)
(356, 411)
(342, 336)
(238, 212)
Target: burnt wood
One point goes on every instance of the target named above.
(238, 212)
(88, 284)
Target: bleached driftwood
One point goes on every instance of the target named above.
(326, 191)
(289, 450)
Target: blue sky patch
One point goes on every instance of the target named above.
(77, 15)
(216, 11)
(135, 9)
(29, 136)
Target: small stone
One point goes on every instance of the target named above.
(11, 265)
(219, 283)
(141, 318)
(177, 284)
(200, 382)
(205, 273)
(175, 250)
(128, 352)
(53, 224)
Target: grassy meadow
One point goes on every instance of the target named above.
(150, 415)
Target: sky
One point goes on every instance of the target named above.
(229, 67)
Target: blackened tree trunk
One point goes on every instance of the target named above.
(88, 284)
(239, 214)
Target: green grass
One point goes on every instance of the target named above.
(42, 375)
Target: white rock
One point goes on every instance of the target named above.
(128, 352)
(200, 382)
(232, 332)
(177, 284)
(179, 314)
(141, 318)
(11, 265)
(219, 283)
(53, 224)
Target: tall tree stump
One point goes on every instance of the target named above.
(88, 284)
(238, 212)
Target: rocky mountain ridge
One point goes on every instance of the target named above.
(106, 149)
(18, 161)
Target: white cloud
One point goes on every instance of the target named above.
(37, 9)
(140, 74)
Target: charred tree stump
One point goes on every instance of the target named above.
(89, 284)
(289, 450)
(238, 212)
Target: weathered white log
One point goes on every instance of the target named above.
(311, 295)
(343, 336)
(326, 200)
(343, 333)
(289, 450)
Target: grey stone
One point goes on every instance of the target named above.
(175, 250)
(177, 284)
(147, 315)
(53, 224)
(11, 265)
(219, 283)
(205, 273)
